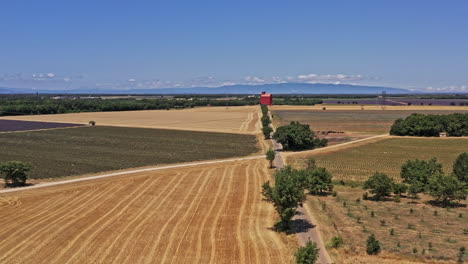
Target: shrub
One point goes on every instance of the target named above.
(392, 232)
(336, 242)
(307, 254)
(382, 222)
(373, 245)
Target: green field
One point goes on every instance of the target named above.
(358, 163)
(75, 151)
(361, 121)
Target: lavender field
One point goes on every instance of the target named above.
(16, 125)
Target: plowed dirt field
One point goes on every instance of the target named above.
(202, 214)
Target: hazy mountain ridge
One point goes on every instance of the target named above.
(281, 88)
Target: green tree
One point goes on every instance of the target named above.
(296, 136)
(417, 173)
(267, 132)
(460, 168)
(379, 184)
(307, 254)
(399, 188)
(286, 196)
(446, 189)
(373, 245)
(317, 180)
(270, 156)
(14, 172)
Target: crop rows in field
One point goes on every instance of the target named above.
(361, 121)
(387, 156)
(75, 151)
(415, 225)
(203, 214)
(16, 125)
(398, 101)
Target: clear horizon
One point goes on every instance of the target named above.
(418, 45)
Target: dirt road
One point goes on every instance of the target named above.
(307, 231)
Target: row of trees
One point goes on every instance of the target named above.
(288, 193)
(266, 121)
(297, 136)
(424, 176)
(455, 125)
(31, 106)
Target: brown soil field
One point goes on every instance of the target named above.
(233, 119)
(368, 107)
(203, 214)
(352, 121)
(435, 237)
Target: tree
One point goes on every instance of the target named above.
(373, 245)
(15, 172)
(270, 156)
(286, 196)
(307, 254)
(267, 132)
(296, 136)
(460, 168)
(417, 173)
(379, 184)
(317, 180)
(446, 189)
(399, 188)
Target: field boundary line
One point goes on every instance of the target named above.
(337, 145)
(42, 185)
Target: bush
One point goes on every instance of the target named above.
(373, 245)
(15, 173)
(307, 254)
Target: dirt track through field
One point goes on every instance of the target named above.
(202, 214)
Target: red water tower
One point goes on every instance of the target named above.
(266, 99)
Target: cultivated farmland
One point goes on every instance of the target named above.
(357, 163)
(242, 119)
(353, 121)
(75, 151)
(202, 214)
(419, 230)
(15, 125)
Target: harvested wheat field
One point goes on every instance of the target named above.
(202, 214)
(233, 119)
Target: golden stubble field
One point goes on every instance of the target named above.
(233, 119)
(202, 214)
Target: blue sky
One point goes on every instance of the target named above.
(417, 44)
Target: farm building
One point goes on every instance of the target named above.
(266, 99)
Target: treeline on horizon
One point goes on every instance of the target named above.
(455, 125)
(29, 105)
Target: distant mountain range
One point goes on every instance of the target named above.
(281, 88)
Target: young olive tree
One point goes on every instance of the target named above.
(307, 254)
